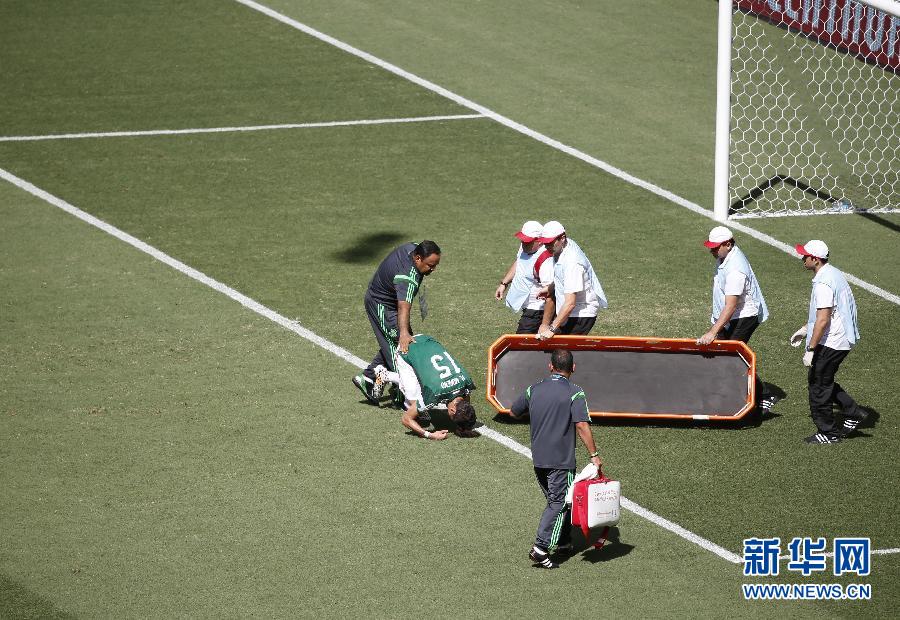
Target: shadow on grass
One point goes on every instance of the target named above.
(508, 420)
(881, 221)
(613, 549)
(17, 601)
(750, 420)
(774, 390)
(367, 247)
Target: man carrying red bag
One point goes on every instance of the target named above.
(558, 412)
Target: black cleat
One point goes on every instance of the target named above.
(541, 558)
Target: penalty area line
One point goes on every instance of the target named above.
(179, 132)
(317, 340)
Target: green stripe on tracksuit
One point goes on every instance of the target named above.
(555, 526)
(411, 281)
(411, 290)
(400, 278)
(384, 324)
(392, 346)
(386, 330)
(563, 516)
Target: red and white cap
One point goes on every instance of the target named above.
(531, 230)
(812, 248)
(718, 236)
(551, 231)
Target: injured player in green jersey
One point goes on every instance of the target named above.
(429, 378)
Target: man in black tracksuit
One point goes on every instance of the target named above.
(558, 411)
(388, 301)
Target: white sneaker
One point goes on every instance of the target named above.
(381, 373)
(380, 381)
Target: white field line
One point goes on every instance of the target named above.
(295, 327)
(677, 529)
(178, 132)
(179, 266)
(593, 161)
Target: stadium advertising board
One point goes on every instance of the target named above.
(849, 26)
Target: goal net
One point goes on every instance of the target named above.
(811, 108)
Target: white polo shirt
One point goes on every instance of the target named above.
(835, 337)
(574, 278)
(738, 283)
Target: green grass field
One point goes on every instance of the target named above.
(166, 452)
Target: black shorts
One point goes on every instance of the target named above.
(577, 325)
(530, 321)
(740, 329)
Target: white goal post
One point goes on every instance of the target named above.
(807, 108)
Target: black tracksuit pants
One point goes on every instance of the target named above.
(824, 390)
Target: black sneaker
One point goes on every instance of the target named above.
(858, 413)
(564, 550)
(541, 558)
(847, 427)
(822, 438)
(767, 402)
(365, 386)
(853, 420)
(869, 417)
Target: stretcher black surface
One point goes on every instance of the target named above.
(649, 382)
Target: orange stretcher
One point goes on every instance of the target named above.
(633, 377)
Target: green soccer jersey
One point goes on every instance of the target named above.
(440, 376)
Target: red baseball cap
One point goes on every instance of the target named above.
(531, 230)
(551, 231)
(718, 236)
(812, 248)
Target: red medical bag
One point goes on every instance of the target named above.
(596, 504)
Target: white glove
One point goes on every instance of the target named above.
(798, 337)
(807, 358)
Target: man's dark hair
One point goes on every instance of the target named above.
(562, 360)
(426, 249)
(464, 418)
